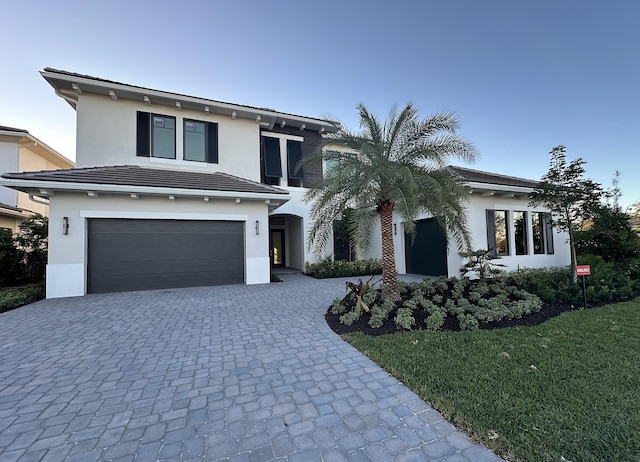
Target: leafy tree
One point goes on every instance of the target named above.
(609, 235)
(569, 196)
(32, 239)
(9, 258)
(401, 165)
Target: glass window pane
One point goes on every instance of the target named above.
(502, 242)
(163, 138)
(520, 230)
(194, 141)
(538, 234)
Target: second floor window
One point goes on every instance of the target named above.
(200, 141)
(271, 160)
(156, 137)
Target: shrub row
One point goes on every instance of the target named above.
(14, 298)
(470, 302)
(329, 268)
(607, 282)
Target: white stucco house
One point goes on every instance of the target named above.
(20, 151)
(173, 190)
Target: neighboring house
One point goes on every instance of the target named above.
(174, 191)
(20, 152)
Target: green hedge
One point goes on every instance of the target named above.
(14, 298)
(328, 268)
(607, 282)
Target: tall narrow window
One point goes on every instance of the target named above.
(272, 166)
(497, 232)
(294, 156)
(201, 141)
(520, 232)
(537, 228)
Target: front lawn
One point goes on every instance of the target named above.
(568, 388)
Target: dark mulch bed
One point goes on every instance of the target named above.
(451, 323)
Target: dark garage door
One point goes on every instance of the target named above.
(428, 253)
(155, 254)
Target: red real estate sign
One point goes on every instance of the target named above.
(583, 270)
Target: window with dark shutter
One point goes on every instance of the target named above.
(548, 234)
(294, 156)
(212, 143)
(272, 165)
(491, 232)
(143, 135)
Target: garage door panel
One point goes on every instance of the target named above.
(152, 254)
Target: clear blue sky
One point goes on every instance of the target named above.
(522, 76)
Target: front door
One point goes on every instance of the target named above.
(277, 247)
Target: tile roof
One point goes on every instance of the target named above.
(478, 176)
(13, 129)
(133, 175)
(10, 207)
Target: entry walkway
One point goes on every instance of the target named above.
(239, 373)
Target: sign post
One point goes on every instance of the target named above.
(583, 270)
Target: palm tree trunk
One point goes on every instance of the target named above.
(389, 274)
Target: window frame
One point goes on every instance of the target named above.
(145, 145)
(211, 154)
(492, 241)
(524, 239)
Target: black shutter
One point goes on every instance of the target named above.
(548, 233)
(143, 134)
(491, 232)
(294, 156)
(212, 143)
(272, 165)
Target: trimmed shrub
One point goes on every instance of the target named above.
(329, 268)
(14, 298)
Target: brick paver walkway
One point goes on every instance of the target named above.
(239, 373)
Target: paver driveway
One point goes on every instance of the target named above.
(244, 373)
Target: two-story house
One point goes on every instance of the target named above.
(173, 190)
(20, 152)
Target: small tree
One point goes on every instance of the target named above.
(32, 239)
(481, 263)
(569, 196)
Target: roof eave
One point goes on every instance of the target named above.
(488, 189)
(47, 189)
(265, 117)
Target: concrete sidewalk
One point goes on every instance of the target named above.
(239, 373)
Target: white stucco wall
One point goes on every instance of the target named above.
(66, 269)
(476, 212)
(8, 163)
(297, 207)
(106, 135)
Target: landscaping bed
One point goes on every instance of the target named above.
(517, 299)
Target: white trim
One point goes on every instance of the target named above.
(182, 163)
(161, 215)
(283, 136)
(148, 190)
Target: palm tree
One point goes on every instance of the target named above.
(400, 165)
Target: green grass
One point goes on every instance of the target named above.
(567, 388)
(18, 296)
